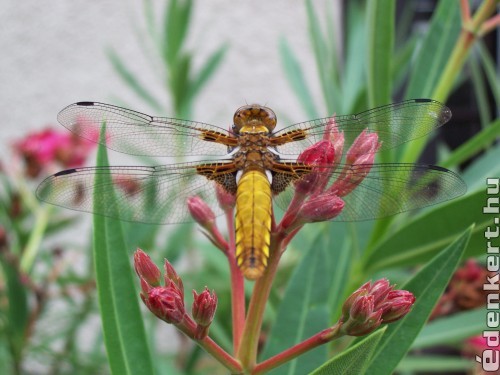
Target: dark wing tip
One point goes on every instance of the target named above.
(423, 100)
(65, 172)
(85, 104)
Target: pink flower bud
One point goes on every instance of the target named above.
(363, 317)
(373, 304)
(146, 269)
(320, 207)
(172, 276)
(397, 304)
(333, 134)
(365, 144)
(203, 309)
(226, 200)
(166, 302)
(201, 212)
(319, 154)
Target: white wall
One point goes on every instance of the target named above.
(53, 54)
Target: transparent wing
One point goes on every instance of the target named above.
(388, 189)
(136, 133)
(395, 124)
(154, 195)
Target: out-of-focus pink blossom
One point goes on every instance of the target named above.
(465, 290)
(201, 212)
(40, 150)
(226, 200)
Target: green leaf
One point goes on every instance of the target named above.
(380, 30)
(485, 166)
(441, 225)
(304, 310)
(480, 141)
(129, 78)
(295, 77)
(176, 23)
(17, 314)
(354, 360)
(427, 286)
(124, 334)
(430, 62)
(208, 69)
(435, 364)
(452, 329)
(435, 50)
(490, 70)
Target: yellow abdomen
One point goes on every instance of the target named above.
(253, 223)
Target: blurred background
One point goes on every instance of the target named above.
(201, 61)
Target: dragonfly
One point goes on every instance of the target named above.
(252, 161)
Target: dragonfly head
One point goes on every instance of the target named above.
(254, 118)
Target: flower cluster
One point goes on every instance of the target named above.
(48, 147)
(314, 200)
(373, 304)
(167, 301)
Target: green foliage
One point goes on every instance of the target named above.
(354, 360)
(124, 334)
(169, 45)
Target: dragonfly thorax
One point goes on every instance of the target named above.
(254, 119)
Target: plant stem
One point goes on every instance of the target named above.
(237, 286)
(318, 339)
(247, 352)
(188, 327)
(467, 37)
(32, 247)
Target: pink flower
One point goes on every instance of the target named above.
(40, 150)
(320, 154)
(201, 212)
(146, 269)
(204, 306)
(320, 207)
(226, 200)
(359, 160)
(372, 305)
(166, 302)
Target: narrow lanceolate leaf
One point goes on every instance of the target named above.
(381, 18)
(132, 81)
(354, 360)
(473, 146)
(124, 334)
(484, 167)
(430, 63)
(208, 69)
(441, 226)
(451, 329)
(304, 310)
(295, 77)
(435, 50)
(427, 286)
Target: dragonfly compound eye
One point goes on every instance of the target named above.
(254, 118)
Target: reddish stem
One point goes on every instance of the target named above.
(247, 352)
(465, 11)
(318, 339)
(237, 286)
(188, 327)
